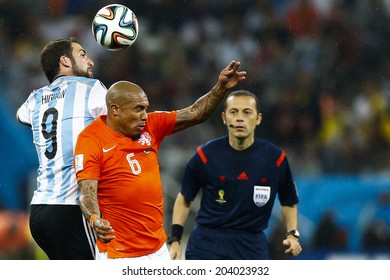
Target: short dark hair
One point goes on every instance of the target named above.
(51, 54)
(242, 93)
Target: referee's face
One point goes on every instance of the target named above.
(241, 117)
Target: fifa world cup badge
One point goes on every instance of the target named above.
(221, 195)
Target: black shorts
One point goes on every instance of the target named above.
(62, 232)
(214, 244)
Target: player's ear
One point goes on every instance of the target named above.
(114, 108)
(64, 60)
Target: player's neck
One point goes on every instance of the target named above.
(113, 125)
(241, 144)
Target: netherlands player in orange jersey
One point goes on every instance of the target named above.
(116, 161)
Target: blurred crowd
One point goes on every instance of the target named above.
(320, 68)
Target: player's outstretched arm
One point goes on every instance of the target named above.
(206, 105)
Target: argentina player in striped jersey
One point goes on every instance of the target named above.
(57, 113)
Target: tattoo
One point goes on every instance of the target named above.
(199, 111)
(88, 198)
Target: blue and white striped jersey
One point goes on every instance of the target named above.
(57, 113)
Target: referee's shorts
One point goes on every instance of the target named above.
(220, 244)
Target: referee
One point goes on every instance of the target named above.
(239, 176)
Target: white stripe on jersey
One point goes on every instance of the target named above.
(91, 236)
(57, 114)
(78, 105)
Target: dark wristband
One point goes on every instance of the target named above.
(176, 233)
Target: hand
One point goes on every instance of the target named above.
(175, 251)
(104, 232)
(230, 77)
(293, 246)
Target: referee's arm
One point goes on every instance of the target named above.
(290, 217)
(181, 210)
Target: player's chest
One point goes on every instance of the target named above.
(128, 152)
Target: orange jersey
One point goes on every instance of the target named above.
(130, 193)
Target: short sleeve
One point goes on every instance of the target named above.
(288, 194)
(193, 179)
(87, 158)
(97, 100)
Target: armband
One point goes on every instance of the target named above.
(92, 219)
(176, 234)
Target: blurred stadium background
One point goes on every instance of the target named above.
(319, 67)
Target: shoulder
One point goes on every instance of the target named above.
(161, 118)
(268, 145)
(95, 128)
(90, 82)
(215, 143)
(212, 147)
(84, 80)
(34, 97)
(93, 83)
(272, 151)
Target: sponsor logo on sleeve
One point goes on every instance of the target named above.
(79, 162)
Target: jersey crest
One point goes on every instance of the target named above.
(145, 139)
(261, 195)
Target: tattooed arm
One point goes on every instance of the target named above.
(206, 105)
(90, 208)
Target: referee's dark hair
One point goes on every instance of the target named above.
(242, 92)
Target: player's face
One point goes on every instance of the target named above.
(81, 64)
(133, 115)
(241, 117)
